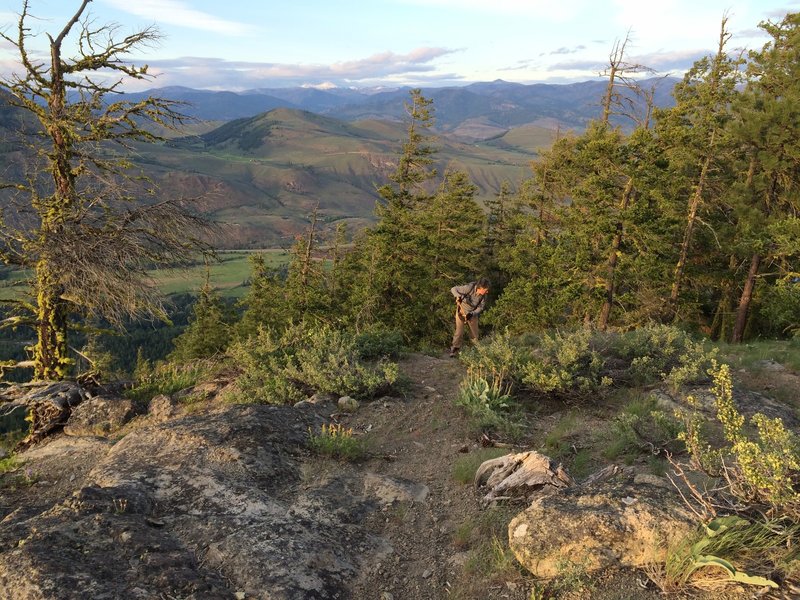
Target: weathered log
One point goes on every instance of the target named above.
(49, 406)
(520, 476)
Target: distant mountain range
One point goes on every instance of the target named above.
(472, 112)
(262, 160)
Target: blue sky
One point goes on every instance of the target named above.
(247, 44)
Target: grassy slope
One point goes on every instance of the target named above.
(262, 176)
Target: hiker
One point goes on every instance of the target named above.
(470, 302)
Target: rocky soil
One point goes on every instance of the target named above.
(207, 501)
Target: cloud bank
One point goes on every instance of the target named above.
(217, 73)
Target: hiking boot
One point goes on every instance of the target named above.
(453, 352)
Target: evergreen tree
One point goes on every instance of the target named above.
(209, 329)
(694, 136)
(385, 263)
(305, 292)
(263, 303)
(766, 199)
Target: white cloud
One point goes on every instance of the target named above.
(217, 73)
(177, 12)
(560, 10)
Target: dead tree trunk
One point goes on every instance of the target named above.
(746, 298)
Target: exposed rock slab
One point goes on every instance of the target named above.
(199, 507)
(99, 416)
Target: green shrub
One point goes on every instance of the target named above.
(486, 401)
(760, 468)
(167, 377)
(327, 360)
(499, 355)
(335, 441)
(566, 363)
(374, 345)
(281, 369)
(663, 353)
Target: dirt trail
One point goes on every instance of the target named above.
(421, 438)
(449, 546)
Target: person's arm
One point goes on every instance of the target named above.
(459, 291)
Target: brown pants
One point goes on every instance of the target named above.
(471, 325)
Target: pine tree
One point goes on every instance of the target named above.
(767, 197)
(694, 134)
(385, 262)
(263, 304)
(209, 329)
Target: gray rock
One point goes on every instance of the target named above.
(769, 365)
(163, 407)
(99, 416)
(322, 398)
(199, 507)
(650, 479)
(388, 490)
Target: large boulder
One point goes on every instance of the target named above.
(99, 416)
(610, 523)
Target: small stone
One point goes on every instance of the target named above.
(387, 596)
(348, 404)
(427, 573)
(240, 595)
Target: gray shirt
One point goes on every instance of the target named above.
(471, 300)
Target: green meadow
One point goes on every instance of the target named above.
(228, 274)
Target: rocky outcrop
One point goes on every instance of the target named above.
(204, 506)
(611, 523)
(99, 416)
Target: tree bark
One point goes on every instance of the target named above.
(50, 354)
(746, 298)
(613, 258)
(691, 218)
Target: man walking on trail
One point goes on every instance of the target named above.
(470, 302)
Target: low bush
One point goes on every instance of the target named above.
(380, 344)
(167, 377)
(663, 353)
(585, 364)
(285, 368)
(501, 356)
(753, 509)
(566, 363)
